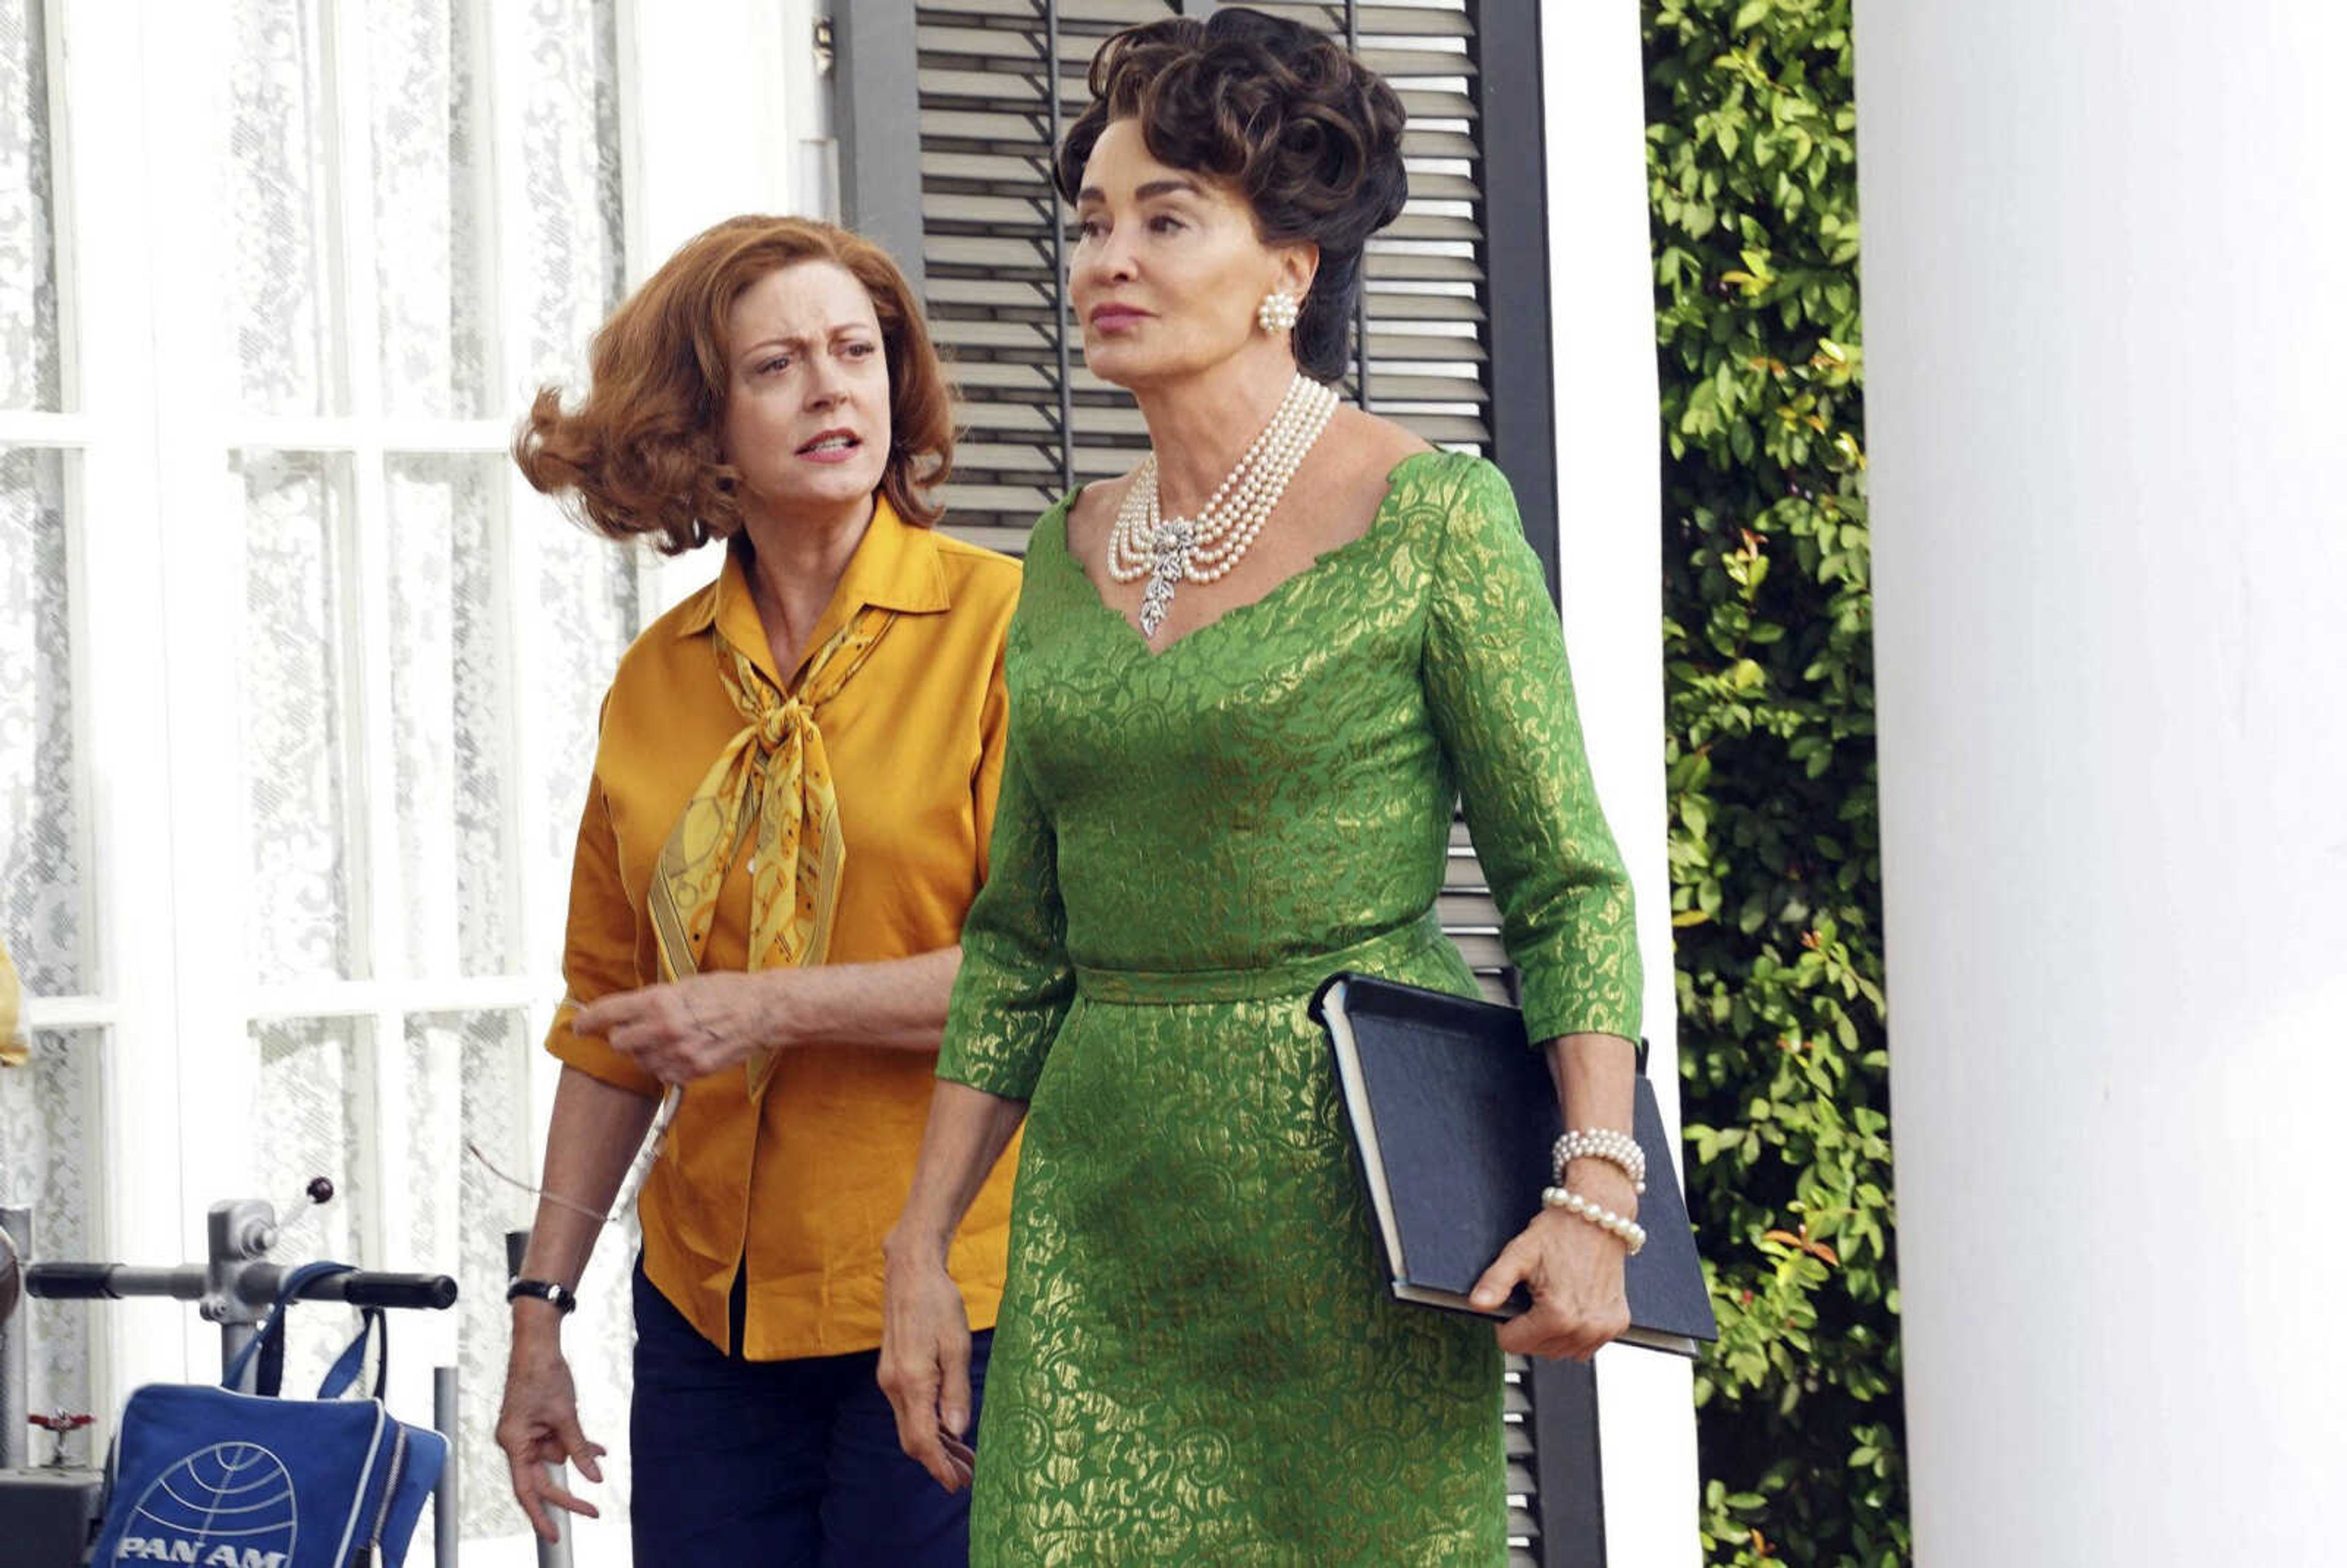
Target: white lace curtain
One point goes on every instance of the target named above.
(48, 1109)
(423, 211)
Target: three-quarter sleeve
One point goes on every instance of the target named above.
(986, 782)
(599, 949)
(1502, 698)
(1016, 980)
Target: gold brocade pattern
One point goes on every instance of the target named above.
(771, 786)
(1197, 1360)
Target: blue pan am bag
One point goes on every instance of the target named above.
(218, 1478)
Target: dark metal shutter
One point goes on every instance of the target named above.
(992, 250)
(1422, 318)
(993, 237)
(1035, 424)
(991, 254)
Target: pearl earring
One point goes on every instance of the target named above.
(1278, 310)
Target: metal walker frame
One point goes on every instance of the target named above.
(234, 1287)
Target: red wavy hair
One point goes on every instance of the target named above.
(644, 453)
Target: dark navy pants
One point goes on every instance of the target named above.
(778, 1463)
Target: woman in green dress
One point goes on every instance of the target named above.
(1247, 681)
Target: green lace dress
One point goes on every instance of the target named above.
(1198, 1360)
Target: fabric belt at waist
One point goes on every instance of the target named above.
(1383, 952)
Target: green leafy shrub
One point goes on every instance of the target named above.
(1775, 871)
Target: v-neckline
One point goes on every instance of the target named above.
(1276, 590)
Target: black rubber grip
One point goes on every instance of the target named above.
(429, 1292)
(70, 1281)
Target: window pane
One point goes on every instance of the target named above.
(296, 733)
(311, 1099)
(469, 1084)
(601, 1342)
(28, 256)
(279, 195)
(49, 1123)
(41, 858)
(574, 260)
(469, 1078)
(450, 714)
(428, 203)
(570, 170)
(586, 591)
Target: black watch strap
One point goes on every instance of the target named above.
(561, 1297)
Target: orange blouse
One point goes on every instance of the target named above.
(804, 1185)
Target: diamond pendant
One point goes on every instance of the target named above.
(1173, 561)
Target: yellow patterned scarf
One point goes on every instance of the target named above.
(13, 1052)
(773, 780)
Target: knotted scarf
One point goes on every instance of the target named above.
(770, 787)
(13, 1052)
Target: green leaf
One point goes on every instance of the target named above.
(1773, 857)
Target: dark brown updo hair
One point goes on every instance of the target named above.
(1311, 136)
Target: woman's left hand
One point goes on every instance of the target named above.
(688, 1029)
(1573, 1270)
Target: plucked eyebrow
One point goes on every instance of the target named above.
(1155, 188)
(766, 346)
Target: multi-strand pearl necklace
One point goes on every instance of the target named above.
(1170, 550)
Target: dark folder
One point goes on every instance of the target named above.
(1454, 1115)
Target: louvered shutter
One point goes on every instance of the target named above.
(993, 236)
(1035, 424)
(992, 250)
(993, 241)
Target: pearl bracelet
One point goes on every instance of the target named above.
(1630, 1231)
(1616, 1149)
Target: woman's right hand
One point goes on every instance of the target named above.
(924, 1366)
(538, 1427)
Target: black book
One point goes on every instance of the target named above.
(1455, 1115)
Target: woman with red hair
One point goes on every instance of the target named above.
(792, 791)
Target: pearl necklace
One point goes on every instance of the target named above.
(1169, 550)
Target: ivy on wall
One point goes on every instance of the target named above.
(1775, 871)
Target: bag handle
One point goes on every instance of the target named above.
(345, 1369)
(268, 1343)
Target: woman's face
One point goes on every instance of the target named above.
(1167, 271)
(807, 397)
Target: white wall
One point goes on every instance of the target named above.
(727, 114)
(1610, 545)
(2104, 326)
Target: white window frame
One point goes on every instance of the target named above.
(723, 110)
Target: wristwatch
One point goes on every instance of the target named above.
(561, 1297)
